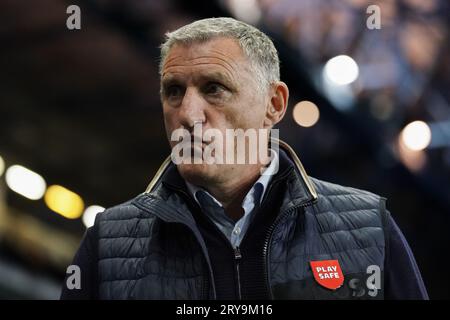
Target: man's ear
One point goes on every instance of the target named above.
(277, 105)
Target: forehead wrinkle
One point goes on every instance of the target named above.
(236, 66)
(228, 57)
(192, 61)
(229, 74)
(218, 58)
(169, 59)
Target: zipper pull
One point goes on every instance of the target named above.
(237, 253)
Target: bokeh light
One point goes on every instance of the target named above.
(416, 135)
(90, 213)
(306, 113)
(25, 182)
(341, 70)
(63, 201)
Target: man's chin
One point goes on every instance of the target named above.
(198, 174)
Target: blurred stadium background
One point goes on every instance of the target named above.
(81, 124)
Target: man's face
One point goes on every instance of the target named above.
(210, 82)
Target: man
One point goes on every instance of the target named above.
(229, 230)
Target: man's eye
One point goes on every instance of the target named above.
(174, 91)
(214, 88)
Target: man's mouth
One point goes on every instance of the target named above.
(197, 142)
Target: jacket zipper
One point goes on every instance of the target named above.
(237, 258)
(266, 248)
(267, 242)
(237, 253)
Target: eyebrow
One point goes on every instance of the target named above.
(169, 78)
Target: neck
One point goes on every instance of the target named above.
(231, 193)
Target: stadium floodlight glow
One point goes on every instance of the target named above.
(63, 201)
(306, 113)
(90, 213)
(416, 135)
(2, 166)
(245, 10)
(25, 182)
(341, 70)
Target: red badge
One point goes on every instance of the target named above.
(328, 273)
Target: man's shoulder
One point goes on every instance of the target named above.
(329, 189)
(124, 211)
(360, 207)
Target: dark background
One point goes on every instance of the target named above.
(81, 108)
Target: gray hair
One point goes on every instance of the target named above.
(256, 45)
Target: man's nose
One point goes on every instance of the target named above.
(192, 108)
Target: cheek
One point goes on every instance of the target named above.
(170, 122)
(246, 115)
(169, 117)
